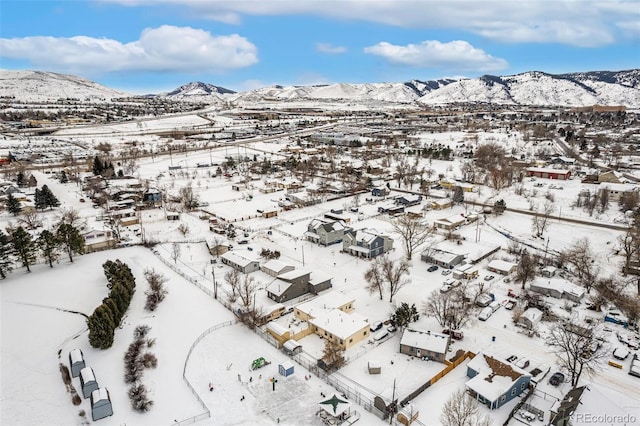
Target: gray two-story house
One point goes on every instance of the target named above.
(325, 232)
(366, 243)
(295, 283)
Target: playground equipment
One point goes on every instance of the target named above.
(259, 363)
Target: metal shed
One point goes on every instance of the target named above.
(375, 367)
(76, 362)
(292, 347)
(100, 404)
(88, 381)
(286, 368)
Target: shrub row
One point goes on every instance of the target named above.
(106, 317)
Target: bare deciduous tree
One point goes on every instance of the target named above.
(580, 256)
(233, 279)
(413, 233)
(526, 269)
(29, 218)
(188, 198)
(452, 309)
(462, 410)
(387, 273)
(333, 355)
(576, 348)
(540, 220)
(175, 252)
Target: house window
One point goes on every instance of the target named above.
(365, 333)
(513, 392)
(503, 398)
(350, 340)
(522, 386)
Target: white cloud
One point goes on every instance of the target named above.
(166, 48)
(330, 49)
(573, 22)
(457, 55)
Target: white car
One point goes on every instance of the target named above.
(620, 353)
(446, 272)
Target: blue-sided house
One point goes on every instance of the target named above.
(366, 243)
(494, 381)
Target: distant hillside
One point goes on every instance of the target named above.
(539, 88)
(529, 88)
(42, 86)
(198, 92)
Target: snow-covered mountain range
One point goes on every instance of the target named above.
(529, 88)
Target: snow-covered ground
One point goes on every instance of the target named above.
(38, 331)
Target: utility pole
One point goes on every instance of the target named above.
(302, 254)
(392, 406)
(215, 283)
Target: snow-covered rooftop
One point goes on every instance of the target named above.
(434, 342)
(495, 375)
(340, 324)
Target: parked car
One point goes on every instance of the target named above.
(432, 268)
(556, 378)
(485, 314)
(488, 277)
(455, 334)
(376, 326)
(445, 288)
(446, 272)
(620, 353)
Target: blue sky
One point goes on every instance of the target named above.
(148, 46)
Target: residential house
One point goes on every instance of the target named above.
(530, 318)
(276, 267)
(295, 283)
(380, 191)
(449, 223)
(424, 344)
(98, 239)
(325, 232)
(547, 173)
(493, 381)
(408, 200)
(344, 329)
(616, 191)
(240, 262)
(501, 267)
(558, 288)
(366, 243)
(442, 258)
(330, 300)
(441, 204)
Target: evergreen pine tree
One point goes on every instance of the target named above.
(70, 239)
(50, 199)
(24, 247)
(40, 200)
(49, 246)
(121, 296)
(116, 314)
(32, 181)
(97, 166)
(63, 177)
(13, 205)
(101, 328)
(20, 180)
(6, 263)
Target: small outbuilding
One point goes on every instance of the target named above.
(88, 381)
(375, 367)
(286, 369)
(100, 404)
(292, 347)
(76, 362)
(530, 318)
